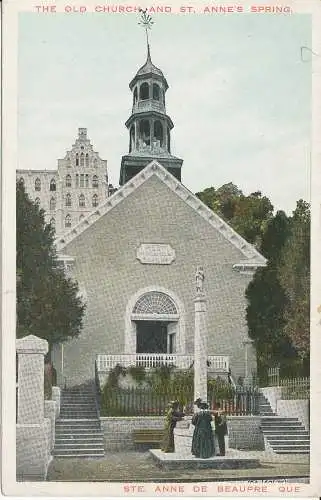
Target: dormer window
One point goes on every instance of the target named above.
(77, 160)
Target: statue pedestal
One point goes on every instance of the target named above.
(183, 435)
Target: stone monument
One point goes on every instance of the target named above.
(200, 336)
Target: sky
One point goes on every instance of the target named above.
(239, 94)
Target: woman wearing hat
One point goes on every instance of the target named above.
(203, 438)
(173, 415)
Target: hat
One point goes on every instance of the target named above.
(203, 406)
(197, 401)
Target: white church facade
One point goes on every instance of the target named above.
(135, 256)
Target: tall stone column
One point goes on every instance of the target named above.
(200, 340)
(34, 432)
(31, 351)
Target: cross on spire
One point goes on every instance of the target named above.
(146, 22)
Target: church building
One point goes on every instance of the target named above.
(135, 256)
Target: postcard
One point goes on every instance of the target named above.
(161, 248)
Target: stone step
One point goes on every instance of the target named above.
(296, 452)
(274, 432)
(80, 438)
(79, 445)
(281, 425)
(79, 455)
(77, 451)
(279, 419)
(282, 443)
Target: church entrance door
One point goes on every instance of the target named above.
(151, 337)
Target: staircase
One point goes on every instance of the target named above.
(284, 435)
(78, 432)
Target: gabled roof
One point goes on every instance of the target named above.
(154, 168)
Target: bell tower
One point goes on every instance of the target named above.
(149, 126)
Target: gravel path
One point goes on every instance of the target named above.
(139, 466)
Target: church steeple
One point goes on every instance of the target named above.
(149, 126)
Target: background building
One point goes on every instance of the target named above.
(76, 188)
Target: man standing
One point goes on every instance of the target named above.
(220, 428)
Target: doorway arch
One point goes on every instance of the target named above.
(159, 307)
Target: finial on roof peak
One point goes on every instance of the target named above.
(146, 22)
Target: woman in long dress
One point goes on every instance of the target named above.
(203, 445)
(173, 415)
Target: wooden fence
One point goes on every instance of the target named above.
(292, 388)
(142, 402)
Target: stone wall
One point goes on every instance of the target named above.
(244, 433)
(294, 408)
(118, 430)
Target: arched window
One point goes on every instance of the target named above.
(144, 91)
(95, 181)
(37, 201)
(86, 180)
(52, 185)
(68, 221)
(155, 303)
(168, 140)
(77, 160)
(52, 203)
(156, 92)
(68, 200)
(132, 138)
(52, 222)
(82, 159)
(135, 95)
(81, 216)
(95, 200)
(158, 133)
(95, 162)
(144, 132)
(77, 180)
(82, 202)
(68, 181)
(37, 184)
(87, 160)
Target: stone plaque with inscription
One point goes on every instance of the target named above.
(155, 253)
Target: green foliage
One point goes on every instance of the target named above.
(47, 302)
(114, 374)
(138, 373)
(248, 215)
(294, 275)
(220, 389)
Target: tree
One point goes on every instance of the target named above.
(48, 304)
(294, 276)
(267, 299)
(248, 215)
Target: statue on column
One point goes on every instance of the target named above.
(199, 279)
